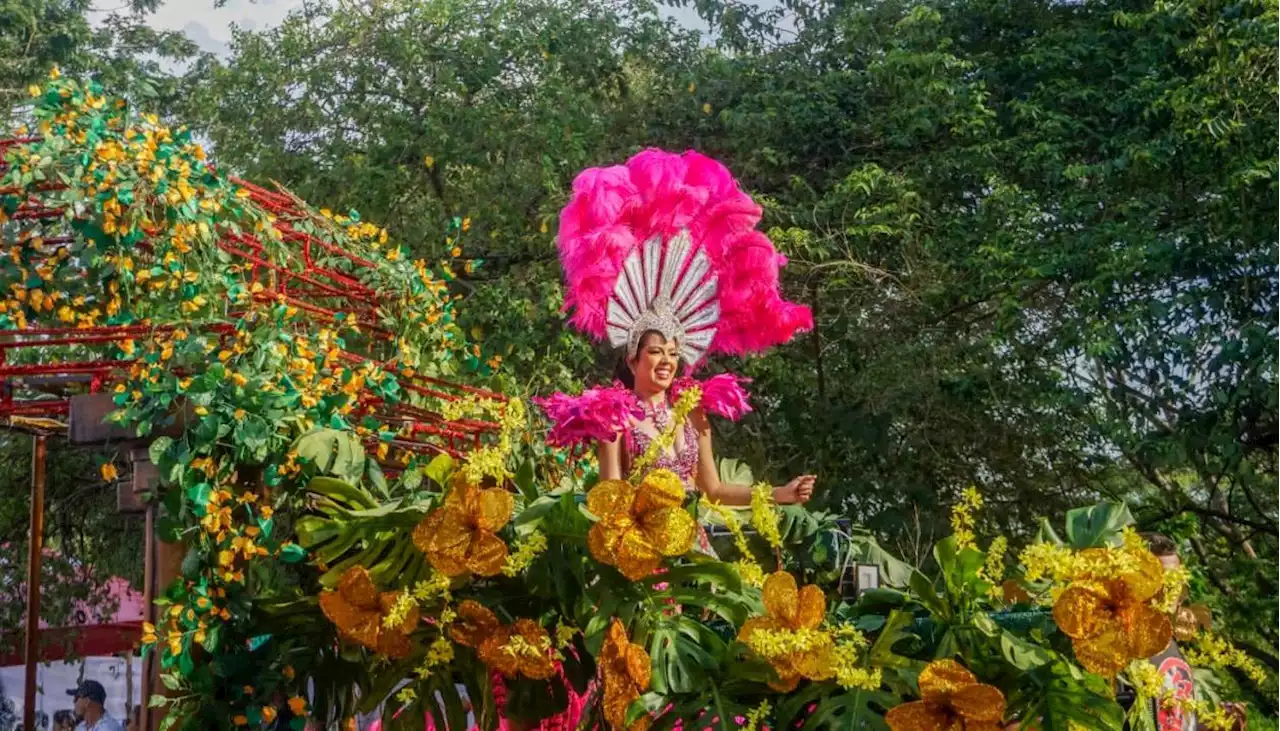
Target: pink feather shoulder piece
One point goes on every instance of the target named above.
(598, 414)
(722, 395)
(669, 242)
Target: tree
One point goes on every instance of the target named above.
(123, 52)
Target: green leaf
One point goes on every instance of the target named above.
(439, 469)
(157, 449)
(292, 553)
(1097, 526)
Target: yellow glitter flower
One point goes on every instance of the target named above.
(639, 526)
(950, 698)
(788, 636)
(459, 537)
(1111, 621)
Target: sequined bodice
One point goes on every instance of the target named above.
(682, 459)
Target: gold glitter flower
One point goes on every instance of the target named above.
(358, 610)
(459, 536)
(1111, 621)
(523, 648)
(951, 698)
(639, 526)
(625, 668)
(788, 636)
(1190, 621)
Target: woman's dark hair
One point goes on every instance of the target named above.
(622, 372)
(1160, 545)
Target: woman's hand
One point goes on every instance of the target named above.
(798, 491)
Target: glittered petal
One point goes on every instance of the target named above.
(1081, 613)
(475, 623)
(1105, 654)
(395, 645)
(360, 625)
(781, 597)
(812, 608)
(617, 698)
(983, 726)
(426, 529)
(357, 587)
(660, 489)
(917, 716)
(602, 541)
(785, 685)
(1147, 580)
(1149, 631)
(637, 557)
(941, 678)
(670, 530)
(494, 509)
(816, 663)
(639, 667)
(491, 653)
(463, 495)
(978, 702)
(487, 554)
(610, 497)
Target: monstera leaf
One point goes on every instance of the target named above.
(1062, 697)
(1098, 525)
(735, 472)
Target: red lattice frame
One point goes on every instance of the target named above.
(425, 431)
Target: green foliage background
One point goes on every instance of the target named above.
(1039, 237)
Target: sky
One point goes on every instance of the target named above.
(210, 27)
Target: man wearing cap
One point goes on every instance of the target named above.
(91, 699)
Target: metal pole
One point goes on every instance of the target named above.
(148, 613)
(34, 554)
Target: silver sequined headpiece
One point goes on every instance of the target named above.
(669, 289)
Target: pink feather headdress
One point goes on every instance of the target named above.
(669, 243)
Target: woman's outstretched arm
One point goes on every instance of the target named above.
(798, 490)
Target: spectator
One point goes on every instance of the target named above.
(64, 720)
(91, 699)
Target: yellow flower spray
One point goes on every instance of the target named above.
(764, 515)
(962, 520)
(747, 566)
(686, 403)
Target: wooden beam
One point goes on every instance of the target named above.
(34, 555)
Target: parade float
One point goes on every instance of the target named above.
(362, 527)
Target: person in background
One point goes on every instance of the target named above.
(64, 720)
(91, 701)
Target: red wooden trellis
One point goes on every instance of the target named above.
(43, 389)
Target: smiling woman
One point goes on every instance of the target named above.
(662, 259)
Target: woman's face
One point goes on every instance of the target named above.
(655, 364)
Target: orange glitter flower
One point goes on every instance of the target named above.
(358, 610)
(951, 698)
(625, 668)
(459, 536)
(522, 648)
(639, 526)
(1111, 621)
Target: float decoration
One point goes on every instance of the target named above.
(364, 533)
